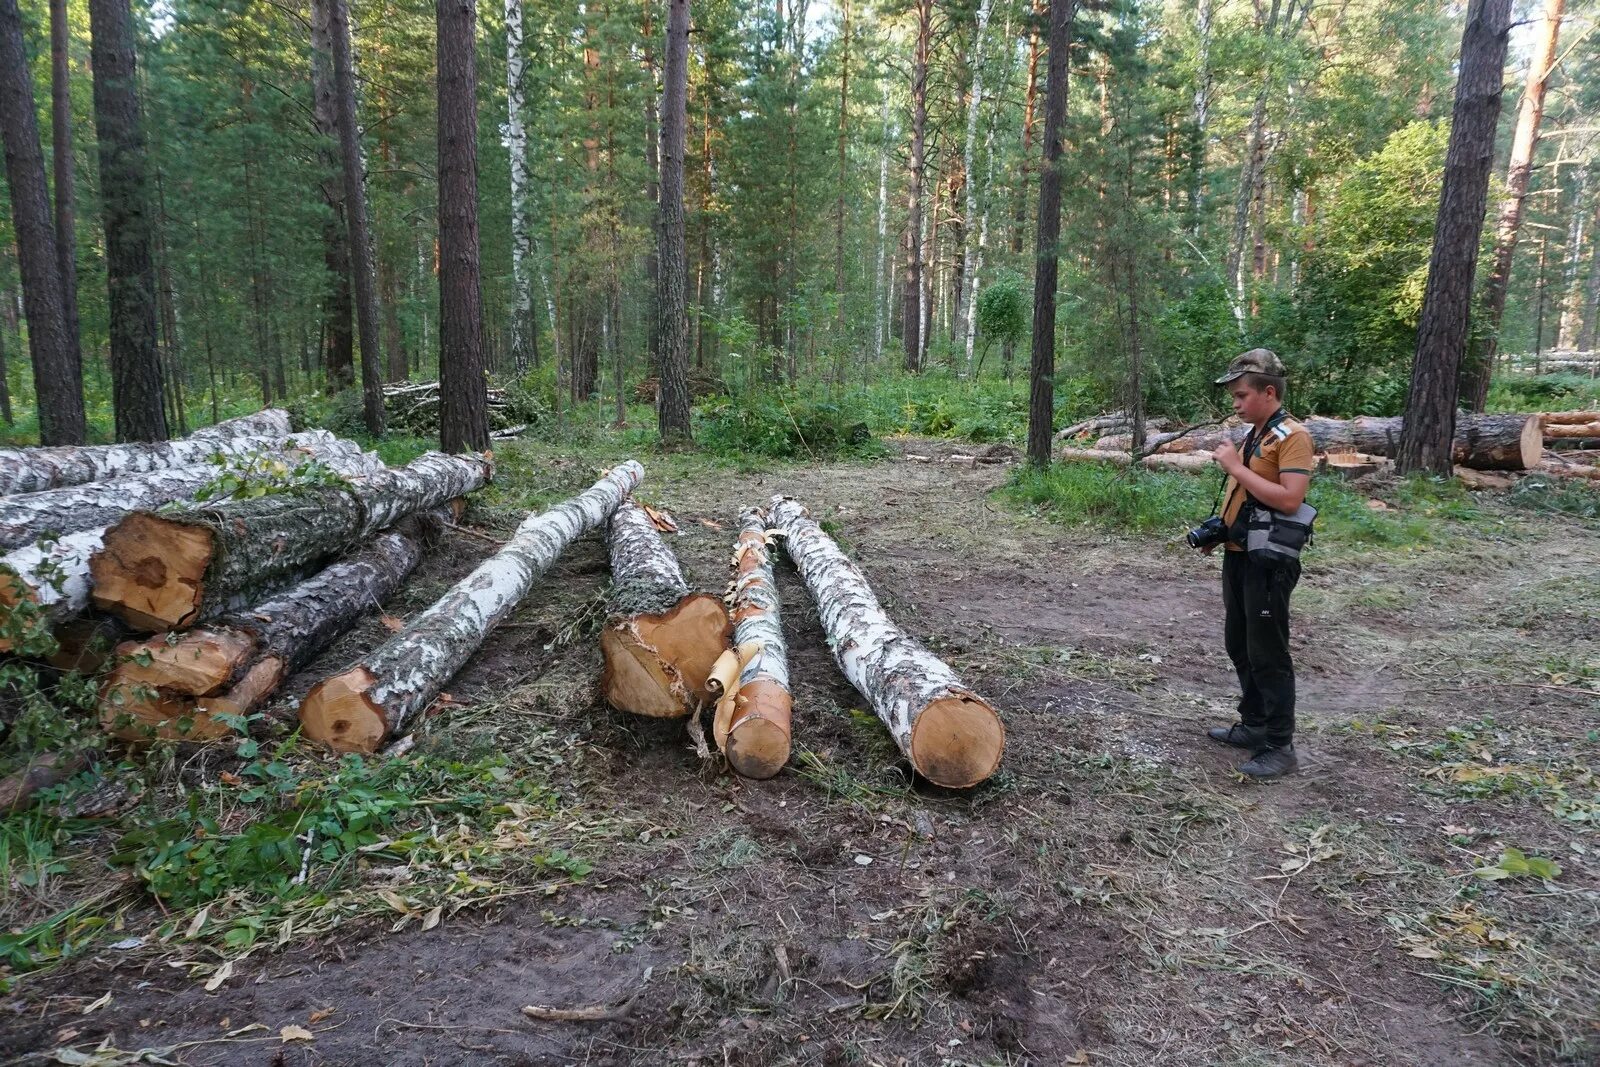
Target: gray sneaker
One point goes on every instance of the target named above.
(1270, 763)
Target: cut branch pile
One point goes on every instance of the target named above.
(751, 681)
(165, 572)
(380, 696)
(949, 733)
(414, 408)
(1115, 422)
(31, 470)
(173, 685)
(660, 639)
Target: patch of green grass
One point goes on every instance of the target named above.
(1580, 499)
(1544, 392)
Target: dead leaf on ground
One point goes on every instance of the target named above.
(321, 1014)
(296, 1033)
(393, 623)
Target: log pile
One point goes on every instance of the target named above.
(952, 736)
(371, 702)
(701, 385)
(414, 408)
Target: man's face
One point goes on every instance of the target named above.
(1251, 404)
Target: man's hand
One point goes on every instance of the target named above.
(1227, 457)
(1206, 551)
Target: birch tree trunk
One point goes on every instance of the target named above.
(172, 685)
(1201, 116)
(949, 733)
(880, 277)
(164, 572)
(912, 312)
(521, 211)
(1591, 299)
(1508, 226)
(660, 639)
(969, 276)
(25, 517)
(751, 681)
(1571, 293)
(338, 342)
(31, 470)
(379, 697)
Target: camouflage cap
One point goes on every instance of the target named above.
(1255, 361)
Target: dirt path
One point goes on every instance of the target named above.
(1115, 896)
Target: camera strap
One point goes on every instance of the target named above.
(1249, 443)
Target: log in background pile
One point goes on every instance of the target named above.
(414, 408)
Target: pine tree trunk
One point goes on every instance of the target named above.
(752, 722)
(911, 328)
(672, 403)
(1508, 226)
(464, 415)
(25, 517)
(171, 685)
(137, 386)
(660, 639)
(1042, 369)
(362, 273)
(380, 696)
(1019, 222)
(62, 161)
(57, 373)
(164, 572)
(1442, 329)
(950, 734)
(652, 190)
(838, 207)
(338, 354)
(521, 208)
(1201, 115)
(31, 470)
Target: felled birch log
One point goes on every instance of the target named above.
(45, 583)
(949, 733)
(29, 470)
(751, 681)
(1158, 462)
(173, 685)
(660, 638)
(163, 572)
(378, 698)
(25, 517)
(1482, 442)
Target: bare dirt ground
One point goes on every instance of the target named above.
(1115, 895)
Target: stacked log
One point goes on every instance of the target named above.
(175, 686)
(48, 582)
(414, 408)
(164, 572)
(751, 681)
(660, 639)
(380, 696)
(1157, 462)
(1115, 422)
(1483, 442)
(952, 736)
(31, 470)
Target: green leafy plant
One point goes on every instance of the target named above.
(1515, 864)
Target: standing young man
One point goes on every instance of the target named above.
(1274, 472)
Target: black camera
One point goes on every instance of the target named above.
(1210, 532)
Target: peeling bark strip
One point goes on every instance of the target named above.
(1483, 442)
(53, 576)
(172, 685)
(30, 470)
(949, 733)
(378, 697)
(25, 517)
(660, 640)
(752, 722)
(164, 572)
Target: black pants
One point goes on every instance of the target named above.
(1256, 632)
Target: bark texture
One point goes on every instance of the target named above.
(57, 374)
(1042, 369)
(911, 325)
(672, 297)
(949, 733)
(162, 572)
(754, 708)
(62, 165)
(463, 416)
(172, 685)
(379, 697)
(661, 638)
(1447, 297)
(127, 209)
(1123, 458)
(522, 320)
(30, 470)
(338, 343)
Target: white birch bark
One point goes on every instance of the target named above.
(969, 289)
(381, 694)
(31, 470)
(754, 605)
(950, 734)
(1571, 294)
(645, 576)
(983, 245)
(521, 214)
(752, 722)
(881, 279)
(1202, 108)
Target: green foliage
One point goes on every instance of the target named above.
(780, 425)
(249, 477)
(1514, 863)
(1544, 392)
(1580, 499)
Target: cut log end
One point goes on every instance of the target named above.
(657, 665)
(136, 712)
(340, 714)
(1532, 443)
(150, 571)
(758, 739)
(957, 741)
